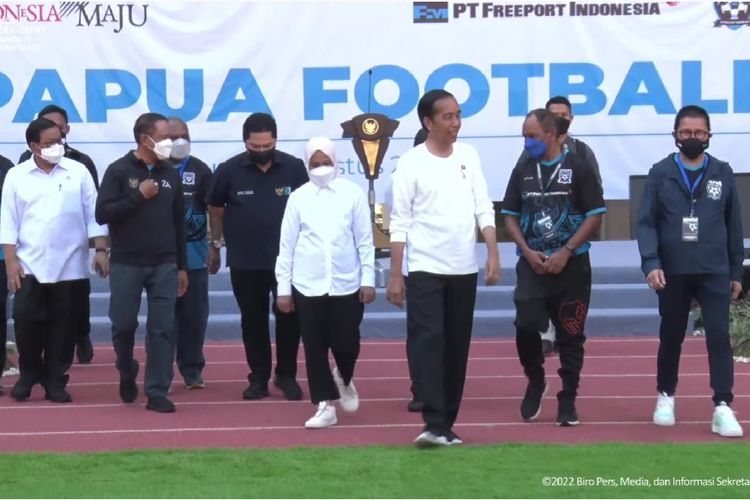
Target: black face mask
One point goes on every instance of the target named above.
(692, 148)
(261, 157)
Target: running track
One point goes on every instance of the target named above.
(615, 403)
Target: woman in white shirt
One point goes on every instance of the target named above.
(325, 272)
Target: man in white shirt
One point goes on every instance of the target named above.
(325, 272)
(439, 198)
(46, 222)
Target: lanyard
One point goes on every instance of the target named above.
(542, 187)
(695, 185)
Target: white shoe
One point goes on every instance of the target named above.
(664, 412)
(429, 440)
(725, 423)
(325, 416)
(349, 398)
(550, 333)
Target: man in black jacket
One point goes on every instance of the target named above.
(141, 199)
(5, 165)
(80, 324)
(690, 240)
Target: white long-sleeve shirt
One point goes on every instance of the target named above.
(50, 218)
(326, 242)
(437, 205)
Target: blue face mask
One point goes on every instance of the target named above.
(535, 147)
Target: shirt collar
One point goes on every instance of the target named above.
(32, 166)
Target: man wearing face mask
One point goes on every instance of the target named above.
(552, 206)
(141, 200)
(246, 206)
(80, 305)
(46, 222)
(192, 308)
(690, 240)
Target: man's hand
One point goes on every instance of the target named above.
(656, 279)
(285, 303)
(536, 260)
(214, 260)
(148, 188)
(556, 262)
(182, 283)
(396, 292)
(15, 272)
(100, 264)
(366, 294)
(492, 269)
(736, 288)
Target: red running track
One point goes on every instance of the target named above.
(615, 403)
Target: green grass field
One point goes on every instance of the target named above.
(508, 470)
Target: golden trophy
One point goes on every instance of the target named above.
(370, 134)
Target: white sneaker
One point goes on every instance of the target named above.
(325, 416)
(349, 397)
(550, 334)
(429, 440)
(725, 423)
(664, 412)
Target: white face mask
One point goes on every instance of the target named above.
(53, 154)
(323, 175)
(180, 149)
(163, 148)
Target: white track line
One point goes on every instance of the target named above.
(237, 402)
(333, 428)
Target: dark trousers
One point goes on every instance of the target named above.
(3, 314)
(712, 293)
(440, 310)
(40, 313)
(79, 320)
(329, 322)
(411, 356)
(126, 283)
(191, 318)
(251, 290)
(564, 299)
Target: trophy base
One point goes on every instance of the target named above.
(380, 238)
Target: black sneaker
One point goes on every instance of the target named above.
(57, 395)
(291, 389)
(128, 387)
(415, 405)
(84, 351)
(531, 405)
(256, 390)
(160, 404)
(566, 413)
(453, 438)
(22, 389)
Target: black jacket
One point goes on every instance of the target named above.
(666, 200)
(143, 232)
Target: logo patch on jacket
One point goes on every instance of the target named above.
(283, 191)
(165, 184)
(713, 189)
(566, 176)
(133, 183)
(188, 178)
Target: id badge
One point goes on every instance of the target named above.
(690, 229)
(546, 227)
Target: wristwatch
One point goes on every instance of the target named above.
(217, 244)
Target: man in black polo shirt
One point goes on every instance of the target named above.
(246, 205)
(80, 313)
(552, 206)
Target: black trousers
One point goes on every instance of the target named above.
(191, 319)
(251, 290)
(712, 293)
(329, 323)
(3, 314)
(564, 299)
(79, 320)
(41, 312)
(440, 310)
(411, 356)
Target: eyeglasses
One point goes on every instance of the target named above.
(685, 134)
